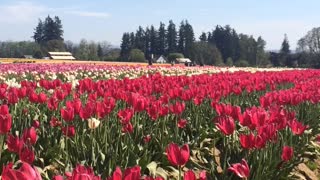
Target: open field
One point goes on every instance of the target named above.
(16, 60)
(72, 120)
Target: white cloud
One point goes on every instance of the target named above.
(21, 12)
(90, 14)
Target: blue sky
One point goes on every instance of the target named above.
(106, 20)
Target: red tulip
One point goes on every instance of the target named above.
(52, 103)
(147, 138)
(83, 173)
(30, 135)
(182, 123)
(36, 124)
(240, 169)
(127, 128)
(178, 156)
(203, 175)
(5, 119)
(25, 172)
(259, 142)
(225, 124)
(287, 153)
(296, 127)
(117, 175)
(247, 141)
(26, 155)
(58, 177)
(67, 114)
(151, 178)
(69, 131)
(177, 108)
(54, 122)
(42, 98)
(14, 144)
(132, 173)
(189, 175)
(125, 115)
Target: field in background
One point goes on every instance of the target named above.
(18, 60)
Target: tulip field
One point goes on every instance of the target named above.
(92, 122)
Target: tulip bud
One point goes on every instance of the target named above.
(93, 123)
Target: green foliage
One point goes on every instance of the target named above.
(171, 37)
(50, 29)
(54, 46)
(205, 53)
(136, 55)
(242, 63)
(9, 49)
(174, 56)
(229, 61)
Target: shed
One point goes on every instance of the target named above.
(183, 60)
(161, 59)
(61, 55)
(27, 56)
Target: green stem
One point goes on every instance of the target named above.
(1, 144)
(179, 178)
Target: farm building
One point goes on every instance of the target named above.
(27, 57)
(183, 60)
(161, 59)
(61, 55)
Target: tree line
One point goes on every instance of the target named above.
(220, 46)
(223, 45)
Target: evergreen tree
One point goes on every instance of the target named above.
(181, 41)
(38, 33)
(100, 52)
(171, 37)
(285, 52)
(203, 37)
(161, 42)
(285, 47)
(147, 44)
(49, 30)
(132, 40)
(153, 40)
(58, 31)
(125, 47)
(140, 39)
(189, 38)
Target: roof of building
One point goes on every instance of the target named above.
(61, 55)
(161, 59)
(183, 60)
(28, 56)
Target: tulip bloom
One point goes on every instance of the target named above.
(69, 131)
(226, 124)
(117, 175)
(5, 119)
(296, 127)
(82, 172)
(132, 173)
(287, 153)
(189, 175)
(178, 156)
(30, 135)
(247, 141)
(26, 171)
(242, 169)
(67, 114)
(26, 155)
(182, 123)
(14, 144)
